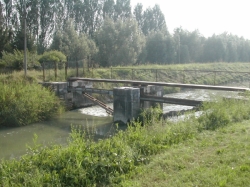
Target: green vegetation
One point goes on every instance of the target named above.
(212, 158)
(15, 60)
(164, 148)
(52, 56)
(110, 33)
(24, 102)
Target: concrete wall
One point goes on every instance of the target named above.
(151, 90)
(126, 104)
(72, 94)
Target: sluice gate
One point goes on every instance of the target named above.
(127, 101)
(100, 103)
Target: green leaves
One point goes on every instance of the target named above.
(25, 103)
(15, 60)
(119, 42)
(52, 56)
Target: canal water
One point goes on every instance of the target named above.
(14, 141)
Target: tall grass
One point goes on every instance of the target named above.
(109, 162)
(24, 103)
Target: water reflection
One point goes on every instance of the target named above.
(13, 141)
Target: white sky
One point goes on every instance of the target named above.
(208, 16)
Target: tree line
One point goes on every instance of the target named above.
(110, 33)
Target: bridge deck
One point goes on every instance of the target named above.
(142, 83)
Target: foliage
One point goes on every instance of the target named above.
(15, 60)
(24, 103)
(52, 56)
(223, 113)
(75, 46)
(110, 162)
(74, 28)
(119, 42)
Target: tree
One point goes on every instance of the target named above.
(153, 20)
(119, 42)
(214, 49)
(5, 34)
(156, 48)
(122, 9)
(108, 9)
(52, 56)
(47, 23)
(92, 16)
(138, 15)
(75, 46)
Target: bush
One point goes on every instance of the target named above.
(52, 56)
(15, 60)
(23, 103)
(223, 112)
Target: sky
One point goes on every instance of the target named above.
(208, 16)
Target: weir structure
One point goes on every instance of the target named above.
(127, 100)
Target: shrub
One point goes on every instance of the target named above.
(23, 103)
(15, 60)
(52, 56)
(223, 112)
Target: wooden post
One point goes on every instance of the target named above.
(156, 75)
(77, 68)
(111, 73)
(43, 72)
(55, 66)
(132, 74)
(66, 69)
(214, 77)
(183, 81)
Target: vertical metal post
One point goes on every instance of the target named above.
(111, 73)
(25, 42)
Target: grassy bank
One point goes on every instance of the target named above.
(197, 73)
(120, 159)
(23, 102)
(212, 158)
(169, 72)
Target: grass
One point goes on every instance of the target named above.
(212, 158)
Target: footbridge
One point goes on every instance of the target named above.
(127, 100)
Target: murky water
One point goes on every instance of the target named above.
(13, 141)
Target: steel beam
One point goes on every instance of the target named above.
(144, 83)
